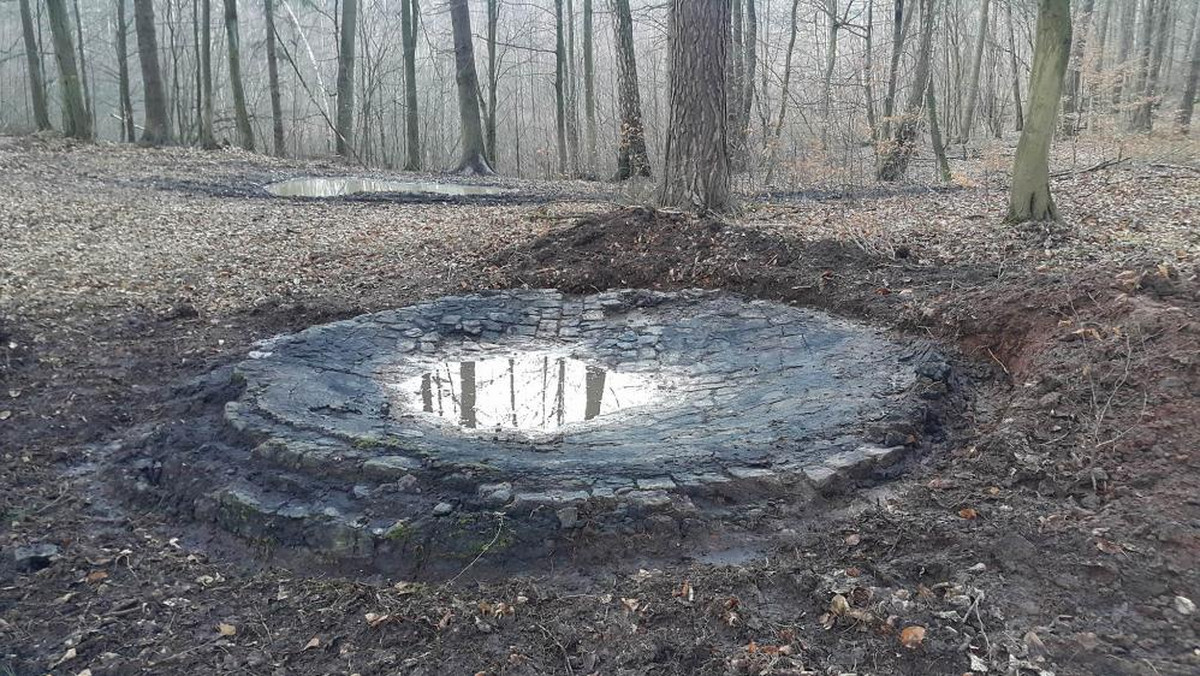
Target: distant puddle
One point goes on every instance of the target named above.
(534, 392)
(335, 187)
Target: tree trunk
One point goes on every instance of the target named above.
(776, 139)
(560, 85)
(1018, 107)
(571, 98)
(831, 8)
(83, 71)
(206, 140)
(895, 161)
(273, 80)
(1124, 47)
(696, 156)
(37, 86)
(736, 72)
(1145, 49)
(589, 84)
(968, 120)
(935, 135)
(631, 146)
(76, 122)
(1074, 81)
(1144, 115)
(245, 131)
(408, 26)
(1189, 92)
(493, 19)
(345, 77)
(473, 160)
(889, 99)
(741, 133)
(868, 72)
(127, 132)
(1030, 198)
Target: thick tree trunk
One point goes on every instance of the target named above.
(968, 120)
(1074, 81)
(273, 81)
(245, 131)
(1143, 119)
(560, 87)
(493, 20)
(127, 132)
(1145, 49)
(83, 71)
(1124, 47)
(207, 139)
(589, 84)
(345, 77)
(1189, 93)
(1030, 198)
(157, 127)
(37, 85)
(473, 160)
(631, 146)
(895, 161)
(696, 156)
(412, 131)
(1018, 106)
(76, 121)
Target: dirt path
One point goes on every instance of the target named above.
(1058, 532)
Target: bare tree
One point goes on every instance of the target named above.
(206, 140)
(245, 131)
(76, 121)
(968, 120)
(895, 161)
(1189, 93)
(696, 158)
(37, 86)
(889, 99)
(935, 135)
(1143, 116)
(589, 85)
(493, 20)
(273, 80)
(777, 137)
(560, 86)
(631, 146)
(473, 160)
(345, 77)
(157, 128)
(1074, 81)
(126, 100)
(408, 27)
(1018, 107)
(1030, 198)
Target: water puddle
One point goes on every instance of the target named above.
(532, 392)
(335, 187)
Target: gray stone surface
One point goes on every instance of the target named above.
(753, 398)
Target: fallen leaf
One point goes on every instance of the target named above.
(226, 629)
(839, 605)
(912, 636)
(67, 656)
(376, 619)
(96, 576)
(1109, 547)
(853, 539)
(968, 513)
(5, 415)
(313, 642)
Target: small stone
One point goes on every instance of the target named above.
(390, 466)
(656, 484)
(37, 557)
(568, 517)
(1184, 605)
(361, 492)
(442, 509)
(495, 494)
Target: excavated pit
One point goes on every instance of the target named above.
(518, 423)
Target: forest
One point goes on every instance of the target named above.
(582, 337)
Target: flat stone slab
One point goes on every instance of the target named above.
(732, 402)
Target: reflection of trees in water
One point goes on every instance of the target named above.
(544, 394)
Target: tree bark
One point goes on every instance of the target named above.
(560, 87)
(895, 161)
(37, 85)
(741, 133)
(1018, 106)
(831, 9)
(245, 131)
(1189, 93)
(127, 132)
(273, 81)
(207, 140)
(935, 135)
(571, 94)
(589, 84)
(696, 156)
(83, 71)
(408, 26)
(345, 77)
(889, 99)
(493, 19)
(1030, 199)
(1074, 81)
(1144, 114)
(968, 121)
(473, 160)
(632, 159)
(76, 121)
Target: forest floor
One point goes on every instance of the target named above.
(1057, 532)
